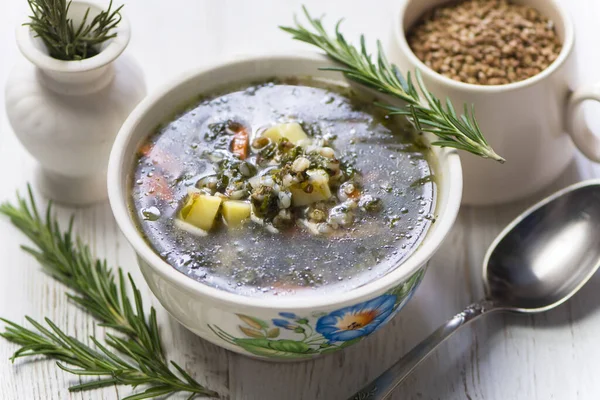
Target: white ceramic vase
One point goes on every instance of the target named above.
(67, 113)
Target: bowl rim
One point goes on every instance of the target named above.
(400, 40)
(117, 172)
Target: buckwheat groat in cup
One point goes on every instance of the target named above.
(485, 42)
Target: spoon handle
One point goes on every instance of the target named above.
(384, 384)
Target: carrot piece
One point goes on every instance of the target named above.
(146, 149)
(159, 186)
(160, 157)
(354, 194)
(280, 287)
(240, 142)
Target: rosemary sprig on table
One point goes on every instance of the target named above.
(453, 131)
(134, 355)
(50, 22)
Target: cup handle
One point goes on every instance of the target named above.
(582, 135)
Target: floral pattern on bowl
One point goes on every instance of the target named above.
(292, 336)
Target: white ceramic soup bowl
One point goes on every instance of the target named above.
(274, 328)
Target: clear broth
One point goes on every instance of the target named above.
(253, 262)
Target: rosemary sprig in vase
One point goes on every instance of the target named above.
(65, 40)
(430, 115)
(132, 354)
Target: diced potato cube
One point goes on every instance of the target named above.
(273, 133)
(235, 212)
(319, 180)
(291, 131)
(201, 210)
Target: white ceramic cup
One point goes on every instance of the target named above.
(532, 123)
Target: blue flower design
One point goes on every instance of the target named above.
(355, 321)
(288, 315)
(283, 323)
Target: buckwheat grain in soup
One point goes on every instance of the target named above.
(485, 42)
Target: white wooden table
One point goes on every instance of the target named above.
(550, 356)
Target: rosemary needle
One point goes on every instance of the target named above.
(133, 354)
(429, 115)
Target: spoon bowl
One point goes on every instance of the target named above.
(548, 253)
(538, 262)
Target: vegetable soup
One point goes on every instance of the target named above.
(283, 187)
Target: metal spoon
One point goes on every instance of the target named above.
(538, 262)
